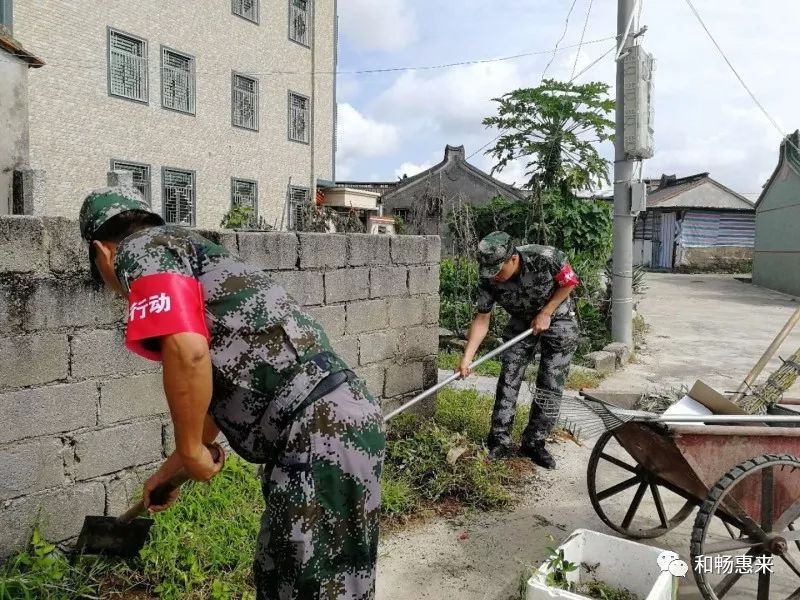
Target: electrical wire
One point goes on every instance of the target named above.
(561, 39)
(583, 35)
(739, 77)
(88, 64)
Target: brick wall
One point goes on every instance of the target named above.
(84, 421)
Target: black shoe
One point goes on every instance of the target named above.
(499, 452)
(540, 455)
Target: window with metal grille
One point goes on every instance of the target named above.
(298, 196)
(244, 192)
(177, 81)
(141, 175)
(403, 213)
(298, 22)
(247, 9)
(244, 102)
(178, 195)
(299, 118)
(127, 66)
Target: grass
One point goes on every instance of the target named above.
(203, 547)
(577, 380)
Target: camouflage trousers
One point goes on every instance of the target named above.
(557, 346)
(319, 533)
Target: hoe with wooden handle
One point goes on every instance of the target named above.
(126, 534)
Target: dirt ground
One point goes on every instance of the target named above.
(712, 328)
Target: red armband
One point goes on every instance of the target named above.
(163, 304)
(566, 277)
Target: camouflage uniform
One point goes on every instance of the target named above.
(321, 444)
(542, 270)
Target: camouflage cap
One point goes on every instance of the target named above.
(493, 250)
(102, 204)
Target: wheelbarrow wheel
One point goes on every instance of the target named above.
(756, 554)
(639, 506)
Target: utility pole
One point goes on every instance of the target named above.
(622, 257)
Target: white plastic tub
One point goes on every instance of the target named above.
(620, 563)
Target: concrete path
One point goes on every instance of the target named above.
(708, 327)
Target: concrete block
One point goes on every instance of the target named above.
(27, 467)
(22, 245)
(30, 191)
(13, 288)
(373, 376)
(431, 309)
(409, 249)
(418, 342)
(343, 285)
(365, 249)
(322, 250)
(67, 252)
(271, 251)
(366, 315)
(103, 352)
(621, 351)
(387, 281)
(331, 318)
(222, 237)
(347, 349)
(168, 437)
(125, 488)
(120, 179)
(89, 305)
(405, 312)
(305, 287)
(602, 362)
(377, 347)
(34, 359)
(48, 410)
(131, 398)
(117, 448)
(423, 280)
(403, 379)
(59, 515)
(433, 249)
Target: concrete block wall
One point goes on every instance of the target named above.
(84, 421)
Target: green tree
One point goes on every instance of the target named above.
(554, 128)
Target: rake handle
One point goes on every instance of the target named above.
(455, 376)
(160, 495)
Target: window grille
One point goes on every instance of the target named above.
(179, 197)
(298, 22)
(141, 176)
(127, 66)
(245, 102)
(403, 213)
(298, 196)
(244, 193)
(177, 81)
(247, 9)
(299, 118)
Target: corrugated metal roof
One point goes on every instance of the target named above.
(696, 191)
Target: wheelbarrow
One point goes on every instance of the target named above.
(644, 479)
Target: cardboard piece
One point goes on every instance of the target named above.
(713, 400)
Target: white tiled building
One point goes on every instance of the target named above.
(208, 102)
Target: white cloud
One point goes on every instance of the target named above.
(361, 138)
(383, 25)
(410, 169)
(452, 102)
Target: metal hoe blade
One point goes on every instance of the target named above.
(111, 537)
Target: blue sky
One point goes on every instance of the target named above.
(396, 123)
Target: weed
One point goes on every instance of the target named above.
(449, 361)
(580, 380)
